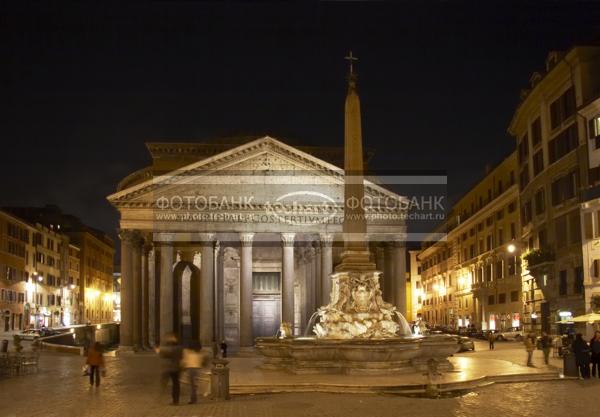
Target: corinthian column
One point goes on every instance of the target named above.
(166, 286)
(126, 326)
(246, 336)
(388, 274)
(326, 267)
(317, 275)
(152, 293)
(146, 294)
(309, 253)
(287, 282)
(137, 290)
(400, 276)
(207, 290)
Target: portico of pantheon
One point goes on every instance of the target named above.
(225, 240)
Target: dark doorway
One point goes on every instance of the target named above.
(266, 303)
(186, 302)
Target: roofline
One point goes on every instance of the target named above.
(196, 164)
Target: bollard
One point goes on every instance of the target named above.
(219, 380)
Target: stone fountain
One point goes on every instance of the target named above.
(357, 332)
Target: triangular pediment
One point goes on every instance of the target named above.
(265, 161)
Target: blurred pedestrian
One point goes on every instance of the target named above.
(192, 363)
(170, 353)
(595, 348)
(530, 347)
(546, 343)
(223, 349)
(582, 355)
(491, 339)
(95, 363)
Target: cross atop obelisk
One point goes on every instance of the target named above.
(351, 58)
(356, 252)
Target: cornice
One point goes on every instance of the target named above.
(234, 156)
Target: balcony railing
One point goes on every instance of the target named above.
(537, 257)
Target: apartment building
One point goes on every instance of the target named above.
(472, 278)
(554, 157)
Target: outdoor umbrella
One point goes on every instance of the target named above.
(587, 318)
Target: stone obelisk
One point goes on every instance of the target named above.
(356, 256)
(356, 309)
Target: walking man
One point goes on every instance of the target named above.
(546, 345)
(491, 339)
(192, 362)
(170, 353)
(582, 356)
(529, 347)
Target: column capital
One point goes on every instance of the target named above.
(316, 246)
(288, 239)
(309, 253)
(165, 239)
(326, 239)
(246, 238)
(399, 240)
(147, 247)
(131, 236)
(206, 239)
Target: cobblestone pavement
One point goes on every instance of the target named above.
(132, 389)
(512, 352)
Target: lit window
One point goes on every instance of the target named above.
(595, 127)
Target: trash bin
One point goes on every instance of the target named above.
(4, 347)
(570, 365)
(219, 380)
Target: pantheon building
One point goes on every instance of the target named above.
(224, 240)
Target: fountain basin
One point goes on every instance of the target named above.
(309, 355)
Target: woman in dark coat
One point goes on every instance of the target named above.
(582, 355)
(595, 348)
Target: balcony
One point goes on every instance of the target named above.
(539, 261)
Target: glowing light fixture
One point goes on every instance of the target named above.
(511, 248)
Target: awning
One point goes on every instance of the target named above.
(587, 318)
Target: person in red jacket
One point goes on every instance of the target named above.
(95, 361)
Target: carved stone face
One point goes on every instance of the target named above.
(361, 297)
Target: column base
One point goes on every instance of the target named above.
(125, 351)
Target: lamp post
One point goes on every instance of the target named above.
(36, 278)
(512, 249)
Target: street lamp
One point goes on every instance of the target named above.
(511, 248)
(36, 278)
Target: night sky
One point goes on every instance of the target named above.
(84, 87)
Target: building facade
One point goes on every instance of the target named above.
(39, 284)
(48, 286)
(96, 275)
(69, 270)
(590, 214)
(472, 278)
(554, 160)
(15, 263)
(226, 241)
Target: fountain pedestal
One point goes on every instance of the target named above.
(305, 355)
